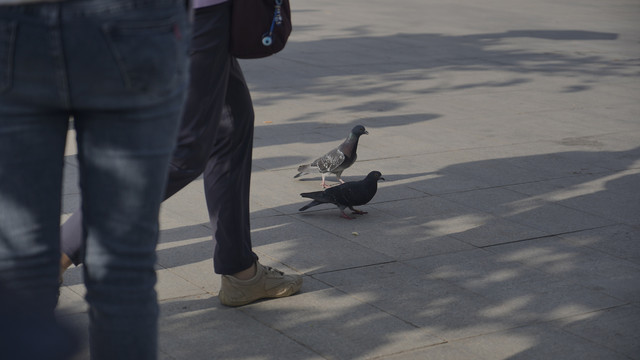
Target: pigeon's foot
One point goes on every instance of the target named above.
(359, 212)
(344, 215)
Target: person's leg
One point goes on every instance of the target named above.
(209, 63)
(122, 192)
(33, 127)
(227, 179)
(126, 128)
(31, 149)
(205, 99)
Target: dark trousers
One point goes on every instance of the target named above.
(215, 140)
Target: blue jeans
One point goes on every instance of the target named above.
(119, 69)
(215, 140)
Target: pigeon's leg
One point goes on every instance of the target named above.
(344, 215)
(324, 184)
(339, 176)
(356, 211)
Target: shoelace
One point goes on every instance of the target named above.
(272, 270)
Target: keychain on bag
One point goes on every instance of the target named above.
(259, 28)
(267, 40)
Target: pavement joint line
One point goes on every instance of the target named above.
(349, 268)
(205, 293)
(545, 236)
(385, 356)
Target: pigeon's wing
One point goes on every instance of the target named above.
(354, 193)
(343, 194)
(329, 161)
(346, 163)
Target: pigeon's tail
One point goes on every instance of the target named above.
(302, 169)
(311, 204)
(315, 195)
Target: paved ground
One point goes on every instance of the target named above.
(509, 224)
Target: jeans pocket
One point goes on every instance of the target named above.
(149, 54)
(7, 46)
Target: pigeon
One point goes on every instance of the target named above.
(346, 195)
(336, 160)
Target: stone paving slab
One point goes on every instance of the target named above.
(508, 226)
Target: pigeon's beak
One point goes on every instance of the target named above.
(366, 132)
(381, 178)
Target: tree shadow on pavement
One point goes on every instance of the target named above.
(506, 259)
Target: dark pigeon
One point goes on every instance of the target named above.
(336, 160)
(347, 195)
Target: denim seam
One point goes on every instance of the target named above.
(57, 50)
(7, 70)
(106, 29)
(109, 28)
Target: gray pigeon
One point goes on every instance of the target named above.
(346, 195)
(336, 160)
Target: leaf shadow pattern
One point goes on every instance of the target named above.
(357, 68)
(479, 253)
(504, 259)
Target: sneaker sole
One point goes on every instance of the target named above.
(288, 292)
